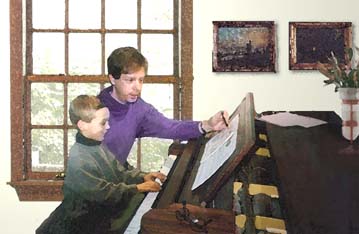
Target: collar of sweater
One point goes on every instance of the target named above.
(86, 141)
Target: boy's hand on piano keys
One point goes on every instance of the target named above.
(152, 182)
(153, 176)
(149, 186)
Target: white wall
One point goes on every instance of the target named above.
(15, 217)
(284, 90)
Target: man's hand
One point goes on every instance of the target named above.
(217, 122)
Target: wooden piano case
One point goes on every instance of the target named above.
(213, 198)
(279, 180)
(164, 221)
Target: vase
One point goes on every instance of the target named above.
(350, 112)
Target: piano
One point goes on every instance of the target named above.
(214, 198)
(268, 184)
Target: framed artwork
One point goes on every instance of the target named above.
(243, 46)
(312, 42)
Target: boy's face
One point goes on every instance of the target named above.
(98, 126)
(128, 87)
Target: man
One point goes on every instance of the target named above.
(127, 69)
(100, 195)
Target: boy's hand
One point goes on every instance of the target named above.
(149, 186)
(152, 176)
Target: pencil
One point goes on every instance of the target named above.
(224, 119)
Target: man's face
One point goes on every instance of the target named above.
(128, 87)
(97, 128)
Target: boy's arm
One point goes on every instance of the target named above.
(88, 181)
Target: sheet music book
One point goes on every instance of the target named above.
(286, 119)
(217, 151)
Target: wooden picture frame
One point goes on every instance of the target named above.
(312, 42)
(243, 46)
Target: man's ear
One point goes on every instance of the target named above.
(112, 79)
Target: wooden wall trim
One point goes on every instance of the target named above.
(187, 58)
(16, 87)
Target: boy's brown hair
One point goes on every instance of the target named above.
(83, 107)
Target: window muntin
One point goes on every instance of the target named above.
(26, 70)
(78, 47)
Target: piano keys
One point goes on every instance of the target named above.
(134, 225)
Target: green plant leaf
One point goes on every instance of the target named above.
(339, 75)
(349, 52)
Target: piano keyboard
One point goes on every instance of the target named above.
(135, 224)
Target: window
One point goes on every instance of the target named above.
(52, 61)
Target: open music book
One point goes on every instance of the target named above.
(217, 150)
(286, 119)
(227, 147)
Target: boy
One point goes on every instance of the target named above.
(100, 195)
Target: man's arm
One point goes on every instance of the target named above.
(155, 124)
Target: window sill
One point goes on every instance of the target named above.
(38, 190)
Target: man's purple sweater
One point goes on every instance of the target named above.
(140, 119)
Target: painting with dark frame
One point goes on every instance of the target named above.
(243, 46)
(312, 42)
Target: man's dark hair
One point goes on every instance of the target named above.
(125, 60)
